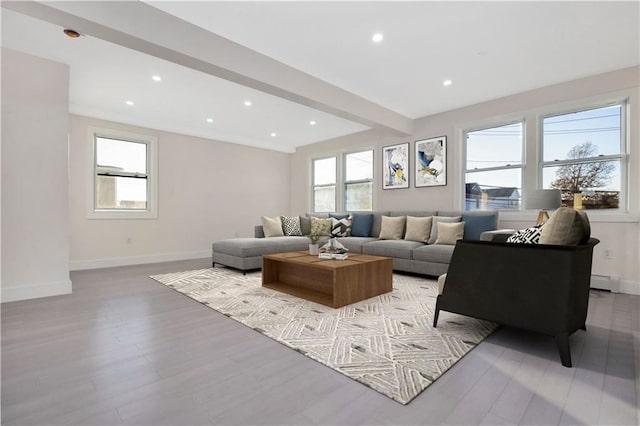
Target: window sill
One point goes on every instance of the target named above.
(127, 214)
(594, 216)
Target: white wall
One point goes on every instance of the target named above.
(207, 191)
(617, 232)
(35, 211)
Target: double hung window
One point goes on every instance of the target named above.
(493, 167)
(583, 155)
(324, 185)
(358, 183)
(124, 176)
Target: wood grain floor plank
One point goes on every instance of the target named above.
(123, 349)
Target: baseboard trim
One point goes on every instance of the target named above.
(630, 287)
(35, 291)
(81, 265)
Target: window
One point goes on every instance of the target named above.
(582, 155)
(324, 185)
(123, 176)
(493, 169)
(358, 184)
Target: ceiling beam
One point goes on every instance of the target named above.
(143, 28)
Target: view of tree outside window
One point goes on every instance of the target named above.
(324, 185)
(582, 154)
(121, 174)
(493, 172)
(358, 191)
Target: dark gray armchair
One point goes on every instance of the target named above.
(538, 287)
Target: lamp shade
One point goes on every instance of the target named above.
(543, 199)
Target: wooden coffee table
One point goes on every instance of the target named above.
(333, 283)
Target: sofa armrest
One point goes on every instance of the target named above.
(497, 235)
(258, 231)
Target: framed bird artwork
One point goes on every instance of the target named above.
(431, 162)
(395, 166)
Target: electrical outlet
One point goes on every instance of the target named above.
(608, 253)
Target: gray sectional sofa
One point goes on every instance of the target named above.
(408, 256)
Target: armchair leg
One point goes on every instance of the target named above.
(213, 264)
(562, 340)
(584, 327)
(436, 313)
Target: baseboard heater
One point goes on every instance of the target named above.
(605, 282)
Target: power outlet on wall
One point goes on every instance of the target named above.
(608, 253)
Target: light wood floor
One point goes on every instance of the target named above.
(123, 349)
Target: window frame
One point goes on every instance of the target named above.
(151, 142)
(346, 182)
(328, 185)
(522, 166)
(622, 157)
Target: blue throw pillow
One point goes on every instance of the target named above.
(474, 225)
(339, 216)
(361, 224)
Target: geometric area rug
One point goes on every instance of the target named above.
(386, 342)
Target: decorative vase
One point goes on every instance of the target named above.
(313, 249)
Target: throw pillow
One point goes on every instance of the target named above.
(361, 224)
(320, 226)
(418, 229)
(526, 236)
(434, 226)
(291, 225)
(272, 226)
(474, 225)
(566, 226)
(305, 225)
(449, 233)
(392, 228)
(340, 227)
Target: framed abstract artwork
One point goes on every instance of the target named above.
(431, 162)
(395, 166)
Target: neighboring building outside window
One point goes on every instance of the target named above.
(583, 155)
(123, 175)
(324, 185)
(358, 185)
(493, 167)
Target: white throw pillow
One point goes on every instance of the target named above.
(449, 233)
(272, 226)
(418, 229)
(392, 228)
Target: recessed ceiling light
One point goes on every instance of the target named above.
(247, 103)
(156, 78)
(130, 103)
(313, 123)
(377, 37)
(273, 135)
(447, 83)
(71, 33)
(209, 120)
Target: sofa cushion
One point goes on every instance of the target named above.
(392, 248)
(361, 224)
(291, 225)
(434, 225)
(418, 229)
(449, 233)
(272, 226)
(566, 226)
(476, 224)
(320, 226)
(340, 227)
(434, 253)
(250, 247)
(339, 216)
(392, 228)
(526, 236)
(355, 244)
(414, 213)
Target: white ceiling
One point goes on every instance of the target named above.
(488, 49)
